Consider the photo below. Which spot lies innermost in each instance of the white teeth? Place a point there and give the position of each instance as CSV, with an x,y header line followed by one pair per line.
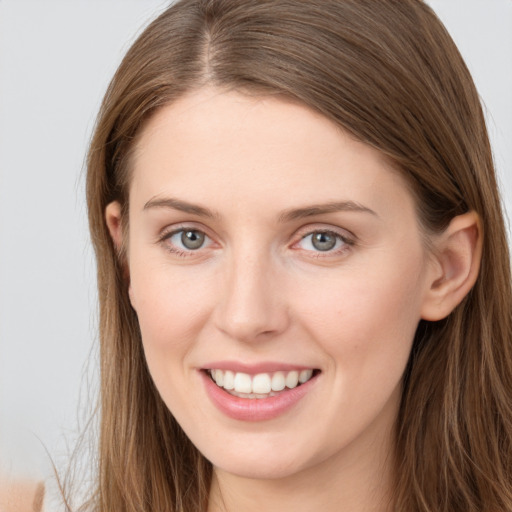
x,y
292,379
229,380
219,378
278,382
260,385
305,375
243,383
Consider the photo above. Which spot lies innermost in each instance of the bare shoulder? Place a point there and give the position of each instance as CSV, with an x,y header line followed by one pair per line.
x,y
21,495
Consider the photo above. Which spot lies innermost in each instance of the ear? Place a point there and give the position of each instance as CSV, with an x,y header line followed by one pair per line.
x,y
114,223
456,263
113,220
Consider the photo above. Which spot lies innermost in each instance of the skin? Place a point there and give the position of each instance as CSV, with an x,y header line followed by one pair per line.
x,y
258,290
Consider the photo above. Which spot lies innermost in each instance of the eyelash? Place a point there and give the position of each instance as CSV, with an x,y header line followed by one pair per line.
x,y
183,253
346,242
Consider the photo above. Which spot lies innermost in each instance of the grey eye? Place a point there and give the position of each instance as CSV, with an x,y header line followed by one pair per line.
x,y
324,241
192,239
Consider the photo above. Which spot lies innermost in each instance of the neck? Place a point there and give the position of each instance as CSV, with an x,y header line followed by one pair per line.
x,y
359,479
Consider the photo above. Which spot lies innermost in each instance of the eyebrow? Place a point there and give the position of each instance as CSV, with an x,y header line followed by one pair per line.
x,y
319,209
183,206
286,216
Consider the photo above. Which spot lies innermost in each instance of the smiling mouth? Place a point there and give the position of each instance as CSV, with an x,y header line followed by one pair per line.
x,y
261,385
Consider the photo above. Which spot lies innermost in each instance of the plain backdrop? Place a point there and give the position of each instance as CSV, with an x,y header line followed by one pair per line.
x,y
56,58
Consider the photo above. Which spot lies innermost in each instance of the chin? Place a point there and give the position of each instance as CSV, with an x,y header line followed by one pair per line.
x,y
259,470
262,463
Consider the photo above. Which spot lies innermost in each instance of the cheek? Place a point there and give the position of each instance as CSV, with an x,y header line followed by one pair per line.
x,y
169,313
366,316
170,304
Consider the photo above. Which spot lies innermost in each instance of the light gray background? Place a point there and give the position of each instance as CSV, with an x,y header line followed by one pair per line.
x,y
56,58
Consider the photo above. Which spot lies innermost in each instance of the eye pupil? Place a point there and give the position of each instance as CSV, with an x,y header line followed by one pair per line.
x,y
192,239
323,241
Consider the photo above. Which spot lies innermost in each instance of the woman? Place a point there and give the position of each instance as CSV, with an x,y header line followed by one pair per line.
x,y
304,282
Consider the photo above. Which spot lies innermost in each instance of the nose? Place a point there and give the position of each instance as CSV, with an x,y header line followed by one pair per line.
x,y
252,302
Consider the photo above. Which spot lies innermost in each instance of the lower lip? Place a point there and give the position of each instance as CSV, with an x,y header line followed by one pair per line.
x,y
255,409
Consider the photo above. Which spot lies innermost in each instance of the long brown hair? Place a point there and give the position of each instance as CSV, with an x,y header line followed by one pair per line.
x,y
387,72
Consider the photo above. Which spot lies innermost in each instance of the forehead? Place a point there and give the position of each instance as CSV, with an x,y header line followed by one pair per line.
x,y
229,147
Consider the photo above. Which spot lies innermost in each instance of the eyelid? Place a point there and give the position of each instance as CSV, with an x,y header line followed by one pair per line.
x,y
172,229
169,231
347,238
345,234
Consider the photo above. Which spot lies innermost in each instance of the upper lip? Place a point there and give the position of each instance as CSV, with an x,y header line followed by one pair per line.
x,y
255,368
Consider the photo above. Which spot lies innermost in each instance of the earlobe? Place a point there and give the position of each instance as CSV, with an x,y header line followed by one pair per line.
x,y
114,225
458,252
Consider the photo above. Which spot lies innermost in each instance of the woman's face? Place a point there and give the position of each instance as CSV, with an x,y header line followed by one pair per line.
x,y
267,247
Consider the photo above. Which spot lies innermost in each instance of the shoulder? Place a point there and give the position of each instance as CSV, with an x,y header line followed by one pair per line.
x,y
21,495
